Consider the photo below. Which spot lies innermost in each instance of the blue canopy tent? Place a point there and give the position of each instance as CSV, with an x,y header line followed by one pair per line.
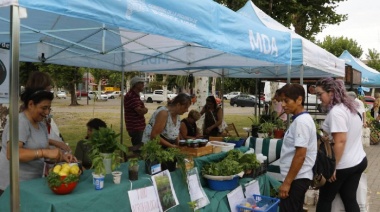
x,y
131,35
370,76
308,59
144,35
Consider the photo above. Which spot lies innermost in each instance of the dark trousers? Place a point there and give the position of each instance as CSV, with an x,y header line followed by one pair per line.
x,y
294,202
1,192
136,137
346,184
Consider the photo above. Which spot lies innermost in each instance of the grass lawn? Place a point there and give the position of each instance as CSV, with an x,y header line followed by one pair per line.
x,y
72,121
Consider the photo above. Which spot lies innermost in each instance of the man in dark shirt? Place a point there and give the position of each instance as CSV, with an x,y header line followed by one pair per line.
x,y
134,110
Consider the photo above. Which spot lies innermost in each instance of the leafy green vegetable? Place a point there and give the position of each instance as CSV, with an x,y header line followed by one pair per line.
x,y
249,161
232,139
234,154
233,163
54,180
226,167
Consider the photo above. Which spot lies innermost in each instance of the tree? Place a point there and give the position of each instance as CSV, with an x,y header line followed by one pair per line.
x,y
307,17
373,58
336,46
64,76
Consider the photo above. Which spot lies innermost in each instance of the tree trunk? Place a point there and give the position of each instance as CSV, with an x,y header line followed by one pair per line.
x,y
73,95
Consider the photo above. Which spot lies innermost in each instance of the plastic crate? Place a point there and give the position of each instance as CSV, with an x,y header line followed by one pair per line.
x,y
262,169
261,201
223,185
237,143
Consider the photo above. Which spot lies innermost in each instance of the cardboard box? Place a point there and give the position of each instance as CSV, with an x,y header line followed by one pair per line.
x,y
196,152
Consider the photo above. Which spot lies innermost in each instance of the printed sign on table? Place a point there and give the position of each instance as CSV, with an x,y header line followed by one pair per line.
x,y
144,199
162,182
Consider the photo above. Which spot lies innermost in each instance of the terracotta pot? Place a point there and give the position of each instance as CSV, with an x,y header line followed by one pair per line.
x,y
279,133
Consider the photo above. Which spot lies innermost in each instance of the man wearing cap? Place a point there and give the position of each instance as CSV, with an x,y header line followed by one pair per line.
x,y
134,111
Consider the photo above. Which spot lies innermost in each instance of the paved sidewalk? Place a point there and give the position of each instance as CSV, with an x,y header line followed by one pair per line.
x,y
373,178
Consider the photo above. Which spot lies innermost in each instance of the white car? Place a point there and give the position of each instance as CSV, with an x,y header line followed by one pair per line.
x,y
231,95
97,95
113,94
61,94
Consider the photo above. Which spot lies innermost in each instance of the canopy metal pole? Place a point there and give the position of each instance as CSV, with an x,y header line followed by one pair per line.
x,y
122,101
257,81
222,86
13,108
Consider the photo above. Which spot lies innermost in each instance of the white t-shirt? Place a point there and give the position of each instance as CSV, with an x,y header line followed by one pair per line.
x,y
340,119
361,108
301,133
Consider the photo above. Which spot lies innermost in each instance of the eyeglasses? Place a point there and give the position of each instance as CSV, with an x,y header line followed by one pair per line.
x,y
319,94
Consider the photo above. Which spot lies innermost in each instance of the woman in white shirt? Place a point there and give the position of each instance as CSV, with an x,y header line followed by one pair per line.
x,y
343,124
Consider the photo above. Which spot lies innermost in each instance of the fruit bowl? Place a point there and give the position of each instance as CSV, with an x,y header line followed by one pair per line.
x,y
64,188
63,178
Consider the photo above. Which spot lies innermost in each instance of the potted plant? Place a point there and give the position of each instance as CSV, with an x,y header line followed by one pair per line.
x,y
250,165
103,155
151,153
171,157
280,127
267,128
133,169
255,125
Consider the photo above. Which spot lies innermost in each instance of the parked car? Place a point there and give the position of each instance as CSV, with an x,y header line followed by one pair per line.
x,y
61,94
231,95
157,96
369,101
97,95
113,94
81,94
243,100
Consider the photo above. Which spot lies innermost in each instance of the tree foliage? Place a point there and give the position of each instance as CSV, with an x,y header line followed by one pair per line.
x,y
336,46
373,58
307,17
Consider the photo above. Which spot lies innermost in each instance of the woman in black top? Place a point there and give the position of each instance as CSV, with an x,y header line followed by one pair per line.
x,y
213,117
188,129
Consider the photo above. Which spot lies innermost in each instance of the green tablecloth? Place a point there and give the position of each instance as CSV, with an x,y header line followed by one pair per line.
x,y
35,195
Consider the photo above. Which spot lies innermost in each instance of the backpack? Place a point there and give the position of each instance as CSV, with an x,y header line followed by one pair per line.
x,y
324,166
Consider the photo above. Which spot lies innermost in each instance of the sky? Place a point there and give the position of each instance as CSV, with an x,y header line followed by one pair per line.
x,y
362,25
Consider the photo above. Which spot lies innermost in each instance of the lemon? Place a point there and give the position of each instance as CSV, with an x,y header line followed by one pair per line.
x,y
62,173
65,170
74,170
57,169
65,165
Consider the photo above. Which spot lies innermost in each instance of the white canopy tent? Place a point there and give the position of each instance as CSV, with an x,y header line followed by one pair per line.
x,y
308,59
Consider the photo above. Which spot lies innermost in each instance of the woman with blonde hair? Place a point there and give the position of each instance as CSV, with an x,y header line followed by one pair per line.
x,y
376,105
189,129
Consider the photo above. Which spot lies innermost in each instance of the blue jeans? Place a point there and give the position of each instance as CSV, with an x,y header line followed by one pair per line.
x,y
346,184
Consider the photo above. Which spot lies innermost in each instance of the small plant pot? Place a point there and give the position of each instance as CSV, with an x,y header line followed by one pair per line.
x,y
152,167
202,143
182,143
133,172
255,130
279,133
169,165
194,144
188,143
107,161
